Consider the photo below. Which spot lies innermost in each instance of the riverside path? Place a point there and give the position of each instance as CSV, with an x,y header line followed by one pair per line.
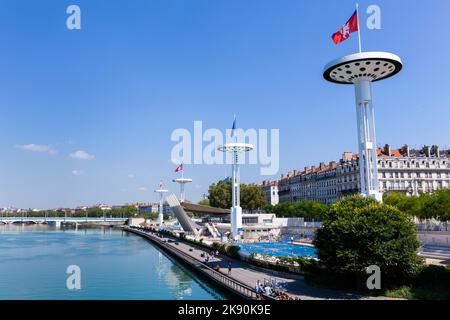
x,y
247,274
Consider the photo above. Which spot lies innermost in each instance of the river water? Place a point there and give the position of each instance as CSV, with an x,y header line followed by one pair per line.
x,y
113,264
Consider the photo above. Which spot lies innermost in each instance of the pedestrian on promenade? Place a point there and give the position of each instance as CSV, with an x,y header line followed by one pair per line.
x,y
229,268
217,253
268,290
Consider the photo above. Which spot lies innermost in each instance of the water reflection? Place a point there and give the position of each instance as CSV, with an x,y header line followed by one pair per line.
x,y
114,265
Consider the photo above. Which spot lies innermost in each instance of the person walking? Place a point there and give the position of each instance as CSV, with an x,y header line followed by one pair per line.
x,y
229,268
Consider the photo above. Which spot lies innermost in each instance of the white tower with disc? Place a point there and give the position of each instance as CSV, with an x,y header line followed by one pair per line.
x,y
360,70
161,191
236,211
182,182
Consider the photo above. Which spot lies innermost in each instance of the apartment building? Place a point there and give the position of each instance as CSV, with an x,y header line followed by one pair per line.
x,y
411,171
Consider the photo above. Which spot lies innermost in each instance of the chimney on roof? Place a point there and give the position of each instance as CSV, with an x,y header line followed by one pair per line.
x,y
306,169
333,164
405,151
435,151
322,165
295,173
427,151
387,150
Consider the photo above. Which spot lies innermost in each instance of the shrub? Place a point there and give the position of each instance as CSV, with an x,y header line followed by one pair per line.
x,y
433,277
233,251
358,232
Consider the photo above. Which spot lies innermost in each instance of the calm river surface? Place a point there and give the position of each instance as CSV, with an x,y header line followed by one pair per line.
x,y
113,264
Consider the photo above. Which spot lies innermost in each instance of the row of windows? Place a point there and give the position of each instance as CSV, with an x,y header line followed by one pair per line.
x,y
324,192
427,175
414,164
419,184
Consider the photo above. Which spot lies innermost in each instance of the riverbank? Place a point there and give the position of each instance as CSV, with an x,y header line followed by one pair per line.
x,y
192,257
243,273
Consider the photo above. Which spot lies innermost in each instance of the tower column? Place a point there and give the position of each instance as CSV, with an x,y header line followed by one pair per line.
x,y
236,210
161,192
361,70
368,162
161,210
182,192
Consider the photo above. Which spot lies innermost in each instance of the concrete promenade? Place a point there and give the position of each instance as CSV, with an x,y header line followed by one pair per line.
x,y
248,275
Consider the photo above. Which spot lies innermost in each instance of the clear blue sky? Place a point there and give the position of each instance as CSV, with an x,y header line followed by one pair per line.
x,y
140,69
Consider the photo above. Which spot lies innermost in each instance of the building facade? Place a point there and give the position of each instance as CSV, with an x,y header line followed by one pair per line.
x,y
151,207
403,170
270,189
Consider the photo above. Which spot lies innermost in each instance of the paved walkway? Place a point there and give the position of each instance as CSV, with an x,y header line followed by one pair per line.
x,y
249,274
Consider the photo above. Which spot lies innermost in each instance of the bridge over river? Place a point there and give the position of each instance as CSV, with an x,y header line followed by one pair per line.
x,y
59,220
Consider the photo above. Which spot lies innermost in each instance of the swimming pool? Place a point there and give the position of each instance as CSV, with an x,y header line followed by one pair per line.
x,y
279,249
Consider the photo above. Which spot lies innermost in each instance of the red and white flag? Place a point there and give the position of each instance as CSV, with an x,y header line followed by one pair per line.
x,y
179,168
351,26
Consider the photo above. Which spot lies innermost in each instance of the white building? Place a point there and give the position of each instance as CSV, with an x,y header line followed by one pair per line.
x,y
399,170
270,188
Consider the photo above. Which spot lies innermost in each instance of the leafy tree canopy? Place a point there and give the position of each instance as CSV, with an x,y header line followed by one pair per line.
x,y
359,232
252,196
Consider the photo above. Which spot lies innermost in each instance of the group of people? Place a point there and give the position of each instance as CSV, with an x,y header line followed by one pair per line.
x,y
270,291
214,254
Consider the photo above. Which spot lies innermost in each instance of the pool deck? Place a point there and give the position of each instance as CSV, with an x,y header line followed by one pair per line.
x,y
248,275
299,243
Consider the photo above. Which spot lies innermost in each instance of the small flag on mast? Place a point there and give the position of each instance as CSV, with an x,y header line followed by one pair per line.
x,y
351,26
233,127
179,168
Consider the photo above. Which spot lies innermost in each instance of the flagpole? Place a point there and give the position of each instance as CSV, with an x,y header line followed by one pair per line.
x,y
359,28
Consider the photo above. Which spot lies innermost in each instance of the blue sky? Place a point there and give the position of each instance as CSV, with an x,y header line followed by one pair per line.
x,y
137,70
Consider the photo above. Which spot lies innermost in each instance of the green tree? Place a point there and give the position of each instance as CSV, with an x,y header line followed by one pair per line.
x,y
438,205
301,209
151,216
410,205
359,232
220,195
95,212
252,196
204,202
